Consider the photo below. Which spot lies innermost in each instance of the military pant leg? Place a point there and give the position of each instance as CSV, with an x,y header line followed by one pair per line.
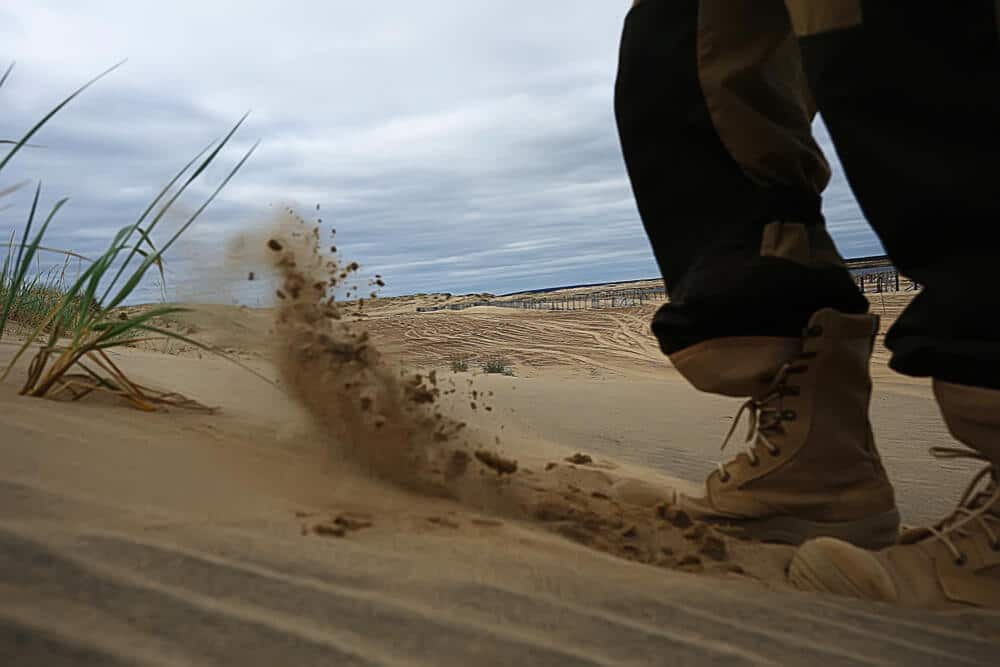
x,y
714,117
911,94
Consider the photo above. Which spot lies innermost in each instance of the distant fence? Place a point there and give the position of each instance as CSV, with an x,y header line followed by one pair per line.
x,y
872,275
618,298
884,281
454,306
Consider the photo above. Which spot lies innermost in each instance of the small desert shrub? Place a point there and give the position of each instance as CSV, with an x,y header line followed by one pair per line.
x,y
497,366
460,365
72,325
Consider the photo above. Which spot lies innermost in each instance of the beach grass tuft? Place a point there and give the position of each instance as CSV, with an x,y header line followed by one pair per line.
x,y
70,325
497,366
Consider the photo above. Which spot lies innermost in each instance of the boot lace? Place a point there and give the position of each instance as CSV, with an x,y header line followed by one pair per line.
x,y
976,508
765,416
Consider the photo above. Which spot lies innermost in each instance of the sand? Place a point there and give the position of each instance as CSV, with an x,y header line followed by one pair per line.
x,y
537,535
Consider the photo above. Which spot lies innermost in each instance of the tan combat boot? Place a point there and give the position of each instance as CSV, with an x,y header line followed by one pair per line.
x,y
810,468
955,562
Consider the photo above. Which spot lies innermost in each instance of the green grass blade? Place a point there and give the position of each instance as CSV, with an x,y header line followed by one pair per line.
x,y
141,271
114,329
149,209
218,149
10,68
47,117
137,276
84,310
6,263
58,251
197,172
24,263
211,198
87,312
20,266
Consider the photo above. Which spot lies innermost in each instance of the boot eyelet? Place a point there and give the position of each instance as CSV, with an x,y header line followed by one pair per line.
x,y
789,415
754,463
776,452
995,546
725,479
961,560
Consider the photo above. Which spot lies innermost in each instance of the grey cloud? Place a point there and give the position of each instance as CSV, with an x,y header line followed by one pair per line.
x,y
455,146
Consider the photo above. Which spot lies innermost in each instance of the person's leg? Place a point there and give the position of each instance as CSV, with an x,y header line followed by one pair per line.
x,y
912,100
715,129
715,123
911,95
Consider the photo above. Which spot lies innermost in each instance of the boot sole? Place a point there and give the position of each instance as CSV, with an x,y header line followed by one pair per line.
x,y
873,532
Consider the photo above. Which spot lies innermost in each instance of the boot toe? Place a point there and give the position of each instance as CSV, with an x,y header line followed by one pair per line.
x,y
833,566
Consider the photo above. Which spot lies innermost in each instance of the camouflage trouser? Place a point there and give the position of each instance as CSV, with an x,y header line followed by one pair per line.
x,y
715,101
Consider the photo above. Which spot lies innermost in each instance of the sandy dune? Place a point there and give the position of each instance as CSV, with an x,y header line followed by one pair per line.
x,y
586,343
237,538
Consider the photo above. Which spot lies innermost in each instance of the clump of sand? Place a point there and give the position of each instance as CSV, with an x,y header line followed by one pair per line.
x,y
380,418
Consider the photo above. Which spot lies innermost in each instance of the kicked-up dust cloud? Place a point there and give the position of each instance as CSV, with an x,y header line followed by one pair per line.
x,y
380,418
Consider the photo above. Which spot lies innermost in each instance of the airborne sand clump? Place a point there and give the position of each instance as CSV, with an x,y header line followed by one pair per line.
x,y
379,418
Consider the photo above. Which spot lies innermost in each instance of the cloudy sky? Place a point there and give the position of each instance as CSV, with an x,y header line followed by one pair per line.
x,y
456,146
